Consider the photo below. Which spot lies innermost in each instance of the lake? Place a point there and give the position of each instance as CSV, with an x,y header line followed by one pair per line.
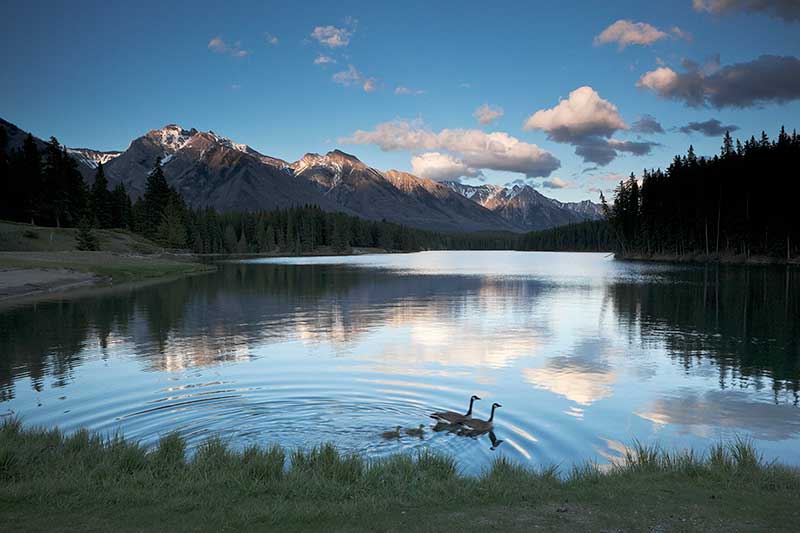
x,y
584,353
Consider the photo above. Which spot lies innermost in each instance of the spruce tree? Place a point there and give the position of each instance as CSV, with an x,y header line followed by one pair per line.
x,y
230,241
242,247
100,200
121,208
86,237
157,194
171,230
5,178
77,195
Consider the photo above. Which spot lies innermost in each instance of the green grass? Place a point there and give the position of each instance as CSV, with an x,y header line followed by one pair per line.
x,y
124,256
83,481
117,267
17,237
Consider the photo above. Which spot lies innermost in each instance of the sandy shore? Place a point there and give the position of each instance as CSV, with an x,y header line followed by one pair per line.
x,y
18,282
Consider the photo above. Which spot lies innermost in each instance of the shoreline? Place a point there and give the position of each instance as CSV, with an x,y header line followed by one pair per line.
x,y
32,275
110,483
713,259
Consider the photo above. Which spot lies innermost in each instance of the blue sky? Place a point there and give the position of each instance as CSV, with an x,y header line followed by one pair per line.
x,y
100,74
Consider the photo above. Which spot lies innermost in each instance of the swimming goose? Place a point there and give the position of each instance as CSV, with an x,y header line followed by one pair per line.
x,y
451,417
395,434
482,425
416,432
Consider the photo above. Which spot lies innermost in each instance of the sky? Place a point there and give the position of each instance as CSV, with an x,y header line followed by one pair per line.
x,y
567,96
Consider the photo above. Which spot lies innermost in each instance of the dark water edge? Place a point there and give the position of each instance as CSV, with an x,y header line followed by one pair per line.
x,y
709,259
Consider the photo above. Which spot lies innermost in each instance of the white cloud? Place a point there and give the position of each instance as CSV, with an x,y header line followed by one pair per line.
x,y
402,90
219,46
660,79
583,114
556,183
270,39
352,77
487,114
438,166
626,32
475,148
331,36
322,59
587,121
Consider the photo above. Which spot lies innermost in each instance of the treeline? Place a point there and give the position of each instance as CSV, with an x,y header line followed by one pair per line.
x,y
588,236
741,202
44,187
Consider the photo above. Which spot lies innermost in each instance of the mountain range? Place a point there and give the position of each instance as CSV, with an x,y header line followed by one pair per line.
x,y
213,171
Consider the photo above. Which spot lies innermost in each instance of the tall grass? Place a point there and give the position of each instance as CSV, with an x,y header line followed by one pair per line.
x,y
48,467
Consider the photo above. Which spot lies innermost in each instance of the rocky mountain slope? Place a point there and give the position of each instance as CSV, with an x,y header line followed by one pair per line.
x,y
213,171
525,207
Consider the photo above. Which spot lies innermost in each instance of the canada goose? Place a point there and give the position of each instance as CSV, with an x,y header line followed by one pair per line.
x,y
416,432
482,425
451,417
395,434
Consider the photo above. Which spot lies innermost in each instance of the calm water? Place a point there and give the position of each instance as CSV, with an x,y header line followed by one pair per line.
x,y
585,354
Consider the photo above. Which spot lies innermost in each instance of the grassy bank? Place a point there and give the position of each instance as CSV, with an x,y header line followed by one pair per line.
x,y
83,481
115,267
51,263
16,237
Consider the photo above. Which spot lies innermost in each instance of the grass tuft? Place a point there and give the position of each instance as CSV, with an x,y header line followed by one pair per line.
x,y
170,453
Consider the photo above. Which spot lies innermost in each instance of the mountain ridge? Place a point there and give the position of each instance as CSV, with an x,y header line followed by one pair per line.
x,y
210,170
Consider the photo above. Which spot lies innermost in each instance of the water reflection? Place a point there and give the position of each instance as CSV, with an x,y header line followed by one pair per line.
x,y
581,350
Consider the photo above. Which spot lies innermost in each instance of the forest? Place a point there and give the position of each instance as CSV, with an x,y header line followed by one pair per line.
x,y
738,203
44,187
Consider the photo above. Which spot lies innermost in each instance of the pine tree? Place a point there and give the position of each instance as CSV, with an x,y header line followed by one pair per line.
x,y
230,239
156,196
5,178
241,247
86,237
101,200
727,145
28,183
75,187
271,242
171,230
121,208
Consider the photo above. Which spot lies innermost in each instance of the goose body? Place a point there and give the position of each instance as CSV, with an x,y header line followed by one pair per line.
x,y
416,432
477,424
394,434
451,417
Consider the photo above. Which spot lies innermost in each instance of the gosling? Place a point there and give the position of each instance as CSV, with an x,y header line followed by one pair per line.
x,y
416,432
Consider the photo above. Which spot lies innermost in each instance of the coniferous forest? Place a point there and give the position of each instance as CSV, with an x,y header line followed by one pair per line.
x,y
44,187
739,203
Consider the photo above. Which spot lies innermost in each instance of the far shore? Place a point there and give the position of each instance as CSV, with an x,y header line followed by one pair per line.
x,y
721,259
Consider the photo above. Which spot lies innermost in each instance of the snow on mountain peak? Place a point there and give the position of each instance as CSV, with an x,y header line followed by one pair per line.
x,y
92,158
172,137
